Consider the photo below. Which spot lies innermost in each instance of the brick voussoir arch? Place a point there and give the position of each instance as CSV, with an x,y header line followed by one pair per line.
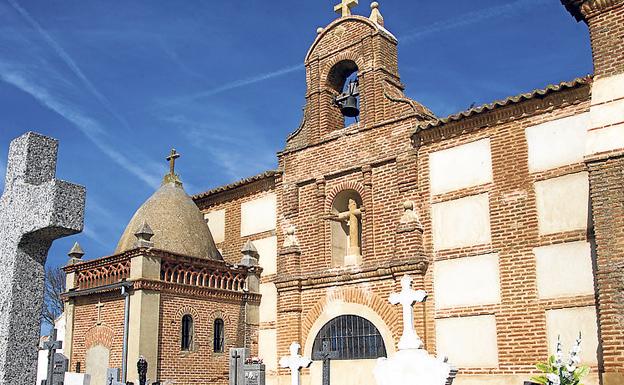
x,y
343,56
187,310
99,335
359,297
349,185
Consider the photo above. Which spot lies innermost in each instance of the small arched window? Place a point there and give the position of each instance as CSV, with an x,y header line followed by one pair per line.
x,y
218,336
187,333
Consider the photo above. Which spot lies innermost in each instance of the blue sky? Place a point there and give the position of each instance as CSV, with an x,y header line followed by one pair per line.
x,y
120,83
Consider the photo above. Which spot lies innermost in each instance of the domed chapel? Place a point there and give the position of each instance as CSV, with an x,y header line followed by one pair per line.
x,y
479,208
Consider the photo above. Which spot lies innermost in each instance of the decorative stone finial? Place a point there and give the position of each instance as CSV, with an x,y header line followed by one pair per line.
x,y
344,8
375,14
250,254
409,215
291,239
76,251
144,236
319,30
172,177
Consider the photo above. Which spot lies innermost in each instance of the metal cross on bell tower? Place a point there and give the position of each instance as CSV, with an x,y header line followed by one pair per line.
x,y
344,8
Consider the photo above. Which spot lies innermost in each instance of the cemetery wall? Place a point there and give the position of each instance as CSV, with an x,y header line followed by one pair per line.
x,y
524,274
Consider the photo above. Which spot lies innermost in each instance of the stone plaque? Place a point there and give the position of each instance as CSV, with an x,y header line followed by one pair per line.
x,y
254,374
238,356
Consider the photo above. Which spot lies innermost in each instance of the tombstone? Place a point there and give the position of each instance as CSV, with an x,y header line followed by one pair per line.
x,y
35,209
77,379
112,376
142,370
51,346
61,364
255,373
238,357
326,355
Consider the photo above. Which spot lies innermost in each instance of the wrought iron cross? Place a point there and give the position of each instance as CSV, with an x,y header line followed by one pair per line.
x,y
51,346
344,8
326,355
236,356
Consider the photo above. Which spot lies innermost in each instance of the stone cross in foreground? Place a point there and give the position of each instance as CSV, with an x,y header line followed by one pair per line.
x,y
295,362
407,297
35,209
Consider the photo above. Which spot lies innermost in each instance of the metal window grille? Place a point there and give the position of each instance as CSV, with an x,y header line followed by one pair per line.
x,y
217,343
187,332
350,337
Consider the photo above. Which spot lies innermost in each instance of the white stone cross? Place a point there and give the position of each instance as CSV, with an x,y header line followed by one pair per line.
x,y
407,297
35,209
295,362
99,306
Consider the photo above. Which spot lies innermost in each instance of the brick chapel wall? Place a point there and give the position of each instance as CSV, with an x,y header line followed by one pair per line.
x,y
87,333
607,39
201,365
509,199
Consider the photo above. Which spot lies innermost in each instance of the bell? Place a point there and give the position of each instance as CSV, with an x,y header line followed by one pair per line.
x,y
349,107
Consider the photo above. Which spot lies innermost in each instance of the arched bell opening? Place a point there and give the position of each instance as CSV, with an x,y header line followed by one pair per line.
x,y
343,85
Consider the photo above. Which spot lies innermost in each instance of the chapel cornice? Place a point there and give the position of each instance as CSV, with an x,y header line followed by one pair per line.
x,y
198,291
586,9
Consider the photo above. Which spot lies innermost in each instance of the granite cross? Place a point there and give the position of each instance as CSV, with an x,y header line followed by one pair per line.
x,y
326,355
51,346
35,209
407,297
172,158
344,8
295,362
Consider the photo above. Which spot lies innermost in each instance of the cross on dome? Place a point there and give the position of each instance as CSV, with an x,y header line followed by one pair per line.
x,y
344,8
172,177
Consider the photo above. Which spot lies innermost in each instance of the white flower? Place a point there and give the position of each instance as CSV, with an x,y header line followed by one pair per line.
x,y
553,379
576,349
571,368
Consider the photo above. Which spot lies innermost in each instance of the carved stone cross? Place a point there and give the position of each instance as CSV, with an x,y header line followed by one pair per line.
x,y
295,362
99,306
35,209
351,217
172,158
344,8
51,346
407,297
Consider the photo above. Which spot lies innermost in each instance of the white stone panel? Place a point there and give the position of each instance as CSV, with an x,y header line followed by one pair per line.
x,y
468,342
605,139
258,215
557,143
216,224
467,281
268,303
562,203
461,222
267,251
607,89
564,270
607,113
96,360
567,323
460,167
267,348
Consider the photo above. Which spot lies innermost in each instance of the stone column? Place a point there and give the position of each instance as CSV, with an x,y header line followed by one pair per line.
x,y
35,209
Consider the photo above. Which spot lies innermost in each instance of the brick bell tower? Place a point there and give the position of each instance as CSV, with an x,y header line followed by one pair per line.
x,y
604,156
349,45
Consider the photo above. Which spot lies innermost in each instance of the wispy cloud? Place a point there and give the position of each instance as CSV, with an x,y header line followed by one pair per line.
x,y
91,128
238,84
469,18
67,59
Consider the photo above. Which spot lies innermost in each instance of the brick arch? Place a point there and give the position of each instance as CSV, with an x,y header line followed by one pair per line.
x,y
348,185
187,310
354,19
99,335
353,295
341,57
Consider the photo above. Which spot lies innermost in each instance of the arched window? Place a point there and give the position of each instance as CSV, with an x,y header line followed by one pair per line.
x,y
218,336
349,337
346,229
187,333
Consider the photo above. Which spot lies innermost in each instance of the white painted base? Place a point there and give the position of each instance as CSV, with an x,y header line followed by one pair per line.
x,y
414,366
77,379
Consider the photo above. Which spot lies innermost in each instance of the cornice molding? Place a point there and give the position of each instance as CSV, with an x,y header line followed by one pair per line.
x,y
586,9
197,291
